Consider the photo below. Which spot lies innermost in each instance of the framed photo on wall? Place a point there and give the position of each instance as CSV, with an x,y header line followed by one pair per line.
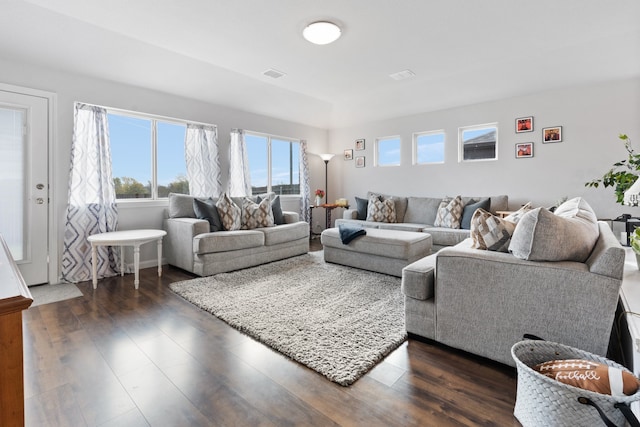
x,y
553,134
359,144
524,124
348,154
360,161
524,150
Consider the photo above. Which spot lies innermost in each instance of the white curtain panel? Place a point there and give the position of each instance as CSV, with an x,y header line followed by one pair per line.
x,y
239,177
203,160
91,207
305,192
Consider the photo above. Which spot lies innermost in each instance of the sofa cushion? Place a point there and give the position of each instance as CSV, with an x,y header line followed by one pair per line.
x,y
490,232
285,233
469,210
225,241
230,213
422,210
569,234
181,206
446,236
381,210
361,208
449,213
206,209
400,204
256,215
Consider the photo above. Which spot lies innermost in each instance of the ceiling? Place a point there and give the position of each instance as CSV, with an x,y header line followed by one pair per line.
x,y
462,51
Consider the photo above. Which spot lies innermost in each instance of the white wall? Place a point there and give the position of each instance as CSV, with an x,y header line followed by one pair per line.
x,y
591,118
70,88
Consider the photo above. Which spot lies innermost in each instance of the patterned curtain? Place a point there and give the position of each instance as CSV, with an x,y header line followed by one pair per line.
x,y
239,178
203,161
91,206
305,192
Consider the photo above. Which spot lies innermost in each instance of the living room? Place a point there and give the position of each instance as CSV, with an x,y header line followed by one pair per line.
x,y
591,105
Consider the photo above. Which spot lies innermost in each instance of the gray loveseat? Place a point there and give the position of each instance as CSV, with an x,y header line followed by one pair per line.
x,y
191,245
419,214
483,302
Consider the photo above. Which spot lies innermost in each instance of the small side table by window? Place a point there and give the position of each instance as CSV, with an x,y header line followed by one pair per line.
x,y
133,238
327,208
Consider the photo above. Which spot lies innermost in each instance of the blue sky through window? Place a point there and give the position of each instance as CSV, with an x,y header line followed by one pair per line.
x,y
389,151
430,148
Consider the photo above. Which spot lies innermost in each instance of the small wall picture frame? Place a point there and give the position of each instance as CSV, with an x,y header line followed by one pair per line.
x,y
359,144
360,161
552,134
348,154
524,124
524,150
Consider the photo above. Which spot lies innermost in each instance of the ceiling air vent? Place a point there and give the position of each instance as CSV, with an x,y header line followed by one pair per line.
x,y
401,75
274,74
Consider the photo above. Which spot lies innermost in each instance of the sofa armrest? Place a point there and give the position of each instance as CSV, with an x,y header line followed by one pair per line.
x,y
178,244
290,217
350,214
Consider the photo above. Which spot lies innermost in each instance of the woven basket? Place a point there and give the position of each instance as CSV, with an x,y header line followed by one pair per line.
x,y
543,401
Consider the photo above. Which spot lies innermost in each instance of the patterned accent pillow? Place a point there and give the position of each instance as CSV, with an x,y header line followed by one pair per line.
x,y
490,232
256,215
515,216
229,213
381,210
450,213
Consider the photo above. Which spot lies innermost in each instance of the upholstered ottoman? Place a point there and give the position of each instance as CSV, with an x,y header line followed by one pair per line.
x,y
384,251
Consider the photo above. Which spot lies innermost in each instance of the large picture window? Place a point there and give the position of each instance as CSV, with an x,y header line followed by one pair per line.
x,y
147,156
478,142
274,163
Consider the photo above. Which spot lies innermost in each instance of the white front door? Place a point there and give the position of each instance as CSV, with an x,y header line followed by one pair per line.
x,y
24,182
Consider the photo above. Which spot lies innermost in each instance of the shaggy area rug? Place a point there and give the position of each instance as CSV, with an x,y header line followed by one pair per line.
x,y
338,321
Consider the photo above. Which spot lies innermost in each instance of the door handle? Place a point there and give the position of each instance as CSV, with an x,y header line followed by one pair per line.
x,y
40,186
39,200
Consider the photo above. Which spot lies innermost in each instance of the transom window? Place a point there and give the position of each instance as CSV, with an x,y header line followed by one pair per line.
x,y
478,142
428,147
387,151
147,156
274,163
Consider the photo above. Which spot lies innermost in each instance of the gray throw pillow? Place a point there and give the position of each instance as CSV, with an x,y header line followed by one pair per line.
x,y
470,208
181,206
206,209
361,207
569,234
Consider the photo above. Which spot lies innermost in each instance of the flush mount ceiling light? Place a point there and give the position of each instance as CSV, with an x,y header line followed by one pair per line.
x,y
322,32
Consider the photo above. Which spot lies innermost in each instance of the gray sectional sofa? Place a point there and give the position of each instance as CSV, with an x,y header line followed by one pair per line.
x,y
419,214
561,287
191,245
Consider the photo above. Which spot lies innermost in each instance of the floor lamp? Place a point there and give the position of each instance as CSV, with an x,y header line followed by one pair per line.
x,y
326,158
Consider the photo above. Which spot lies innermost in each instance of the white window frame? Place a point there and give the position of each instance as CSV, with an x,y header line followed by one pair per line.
x,y
376,154
154,118
463,129
269,137
417,135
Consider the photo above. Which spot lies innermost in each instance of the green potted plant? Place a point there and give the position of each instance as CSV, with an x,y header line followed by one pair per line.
x,y
623,173
634,241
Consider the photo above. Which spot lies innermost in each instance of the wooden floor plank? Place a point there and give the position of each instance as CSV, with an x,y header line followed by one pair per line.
x,y
126,357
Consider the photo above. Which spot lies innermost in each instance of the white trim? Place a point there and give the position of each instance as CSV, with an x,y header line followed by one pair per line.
x,y
53,268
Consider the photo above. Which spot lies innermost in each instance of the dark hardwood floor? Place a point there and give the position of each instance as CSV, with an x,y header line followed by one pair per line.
x,y
121,357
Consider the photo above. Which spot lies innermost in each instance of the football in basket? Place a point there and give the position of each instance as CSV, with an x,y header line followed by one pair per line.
x,y
591,376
